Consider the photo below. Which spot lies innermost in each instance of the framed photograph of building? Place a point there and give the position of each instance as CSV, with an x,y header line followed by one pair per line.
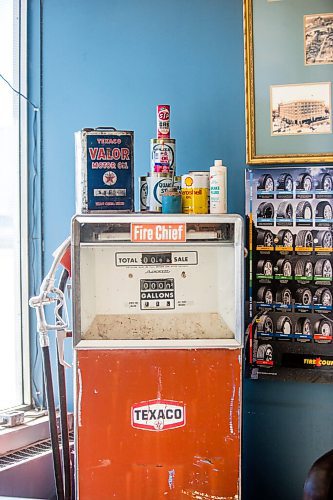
x,y
288,77
301,109
318,39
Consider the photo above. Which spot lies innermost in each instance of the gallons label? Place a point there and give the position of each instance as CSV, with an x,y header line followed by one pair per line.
x,y
158,415
157,294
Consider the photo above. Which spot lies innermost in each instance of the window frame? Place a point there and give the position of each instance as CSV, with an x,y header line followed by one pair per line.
x,y
20,84
24,205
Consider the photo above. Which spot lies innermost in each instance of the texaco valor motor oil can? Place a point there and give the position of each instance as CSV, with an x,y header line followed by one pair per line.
x,y
104,170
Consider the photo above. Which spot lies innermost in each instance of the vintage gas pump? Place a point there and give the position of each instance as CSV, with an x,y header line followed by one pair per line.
x,y
158,323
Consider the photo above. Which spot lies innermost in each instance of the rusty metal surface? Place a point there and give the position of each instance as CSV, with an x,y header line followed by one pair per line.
x,y
197,459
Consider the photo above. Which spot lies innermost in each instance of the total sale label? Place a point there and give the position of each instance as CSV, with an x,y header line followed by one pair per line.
x,y
128,259
158,415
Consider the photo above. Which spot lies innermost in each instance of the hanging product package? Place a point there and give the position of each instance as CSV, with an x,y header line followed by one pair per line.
x,y
104,161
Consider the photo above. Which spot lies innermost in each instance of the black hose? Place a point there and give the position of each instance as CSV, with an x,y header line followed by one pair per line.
x,y
53,423
66,461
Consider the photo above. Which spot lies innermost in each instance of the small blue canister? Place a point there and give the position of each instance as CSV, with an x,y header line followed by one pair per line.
x,y
172,201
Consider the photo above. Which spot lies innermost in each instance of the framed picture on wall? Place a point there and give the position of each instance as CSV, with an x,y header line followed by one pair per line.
x,y
289,74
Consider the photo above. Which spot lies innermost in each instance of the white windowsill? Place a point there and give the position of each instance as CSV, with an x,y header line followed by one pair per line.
x,y
35,428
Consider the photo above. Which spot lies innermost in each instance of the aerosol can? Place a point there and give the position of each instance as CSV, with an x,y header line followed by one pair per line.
x,y
218,188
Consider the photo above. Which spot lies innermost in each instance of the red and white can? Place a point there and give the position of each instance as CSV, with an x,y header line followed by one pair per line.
x,y
162,156
163,121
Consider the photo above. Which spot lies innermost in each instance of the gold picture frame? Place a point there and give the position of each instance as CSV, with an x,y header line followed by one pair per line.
x,y
298,141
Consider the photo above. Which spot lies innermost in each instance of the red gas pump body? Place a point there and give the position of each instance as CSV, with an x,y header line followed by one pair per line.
x,y
158,324
199,460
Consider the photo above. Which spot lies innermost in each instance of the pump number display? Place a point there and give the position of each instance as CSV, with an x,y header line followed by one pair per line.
x,y
154,258
157,294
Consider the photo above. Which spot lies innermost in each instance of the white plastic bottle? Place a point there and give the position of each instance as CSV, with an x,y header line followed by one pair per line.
x,y
218,188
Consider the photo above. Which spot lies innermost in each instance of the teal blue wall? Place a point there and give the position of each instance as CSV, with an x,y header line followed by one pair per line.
x,y
110,63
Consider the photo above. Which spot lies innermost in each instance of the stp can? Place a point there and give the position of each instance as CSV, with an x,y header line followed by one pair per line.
x,y
162,156
157,185
163,121
195,189
143,192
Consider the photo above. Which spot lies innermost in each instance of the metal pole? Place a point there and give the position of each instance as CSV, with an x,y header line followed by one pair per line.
x,y
66,462
53,422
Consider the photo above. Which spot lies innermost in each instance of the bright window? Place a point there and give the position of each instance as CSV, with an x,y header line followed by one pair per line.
x,y
13,209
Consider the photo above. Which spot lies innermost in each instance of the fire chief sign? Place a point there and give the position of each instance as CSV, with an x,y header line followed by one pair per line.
x,y
158,415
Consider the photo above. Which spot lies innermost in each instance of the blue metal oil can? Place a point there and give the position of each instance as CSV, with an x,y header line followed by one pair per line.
x,y
104,170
